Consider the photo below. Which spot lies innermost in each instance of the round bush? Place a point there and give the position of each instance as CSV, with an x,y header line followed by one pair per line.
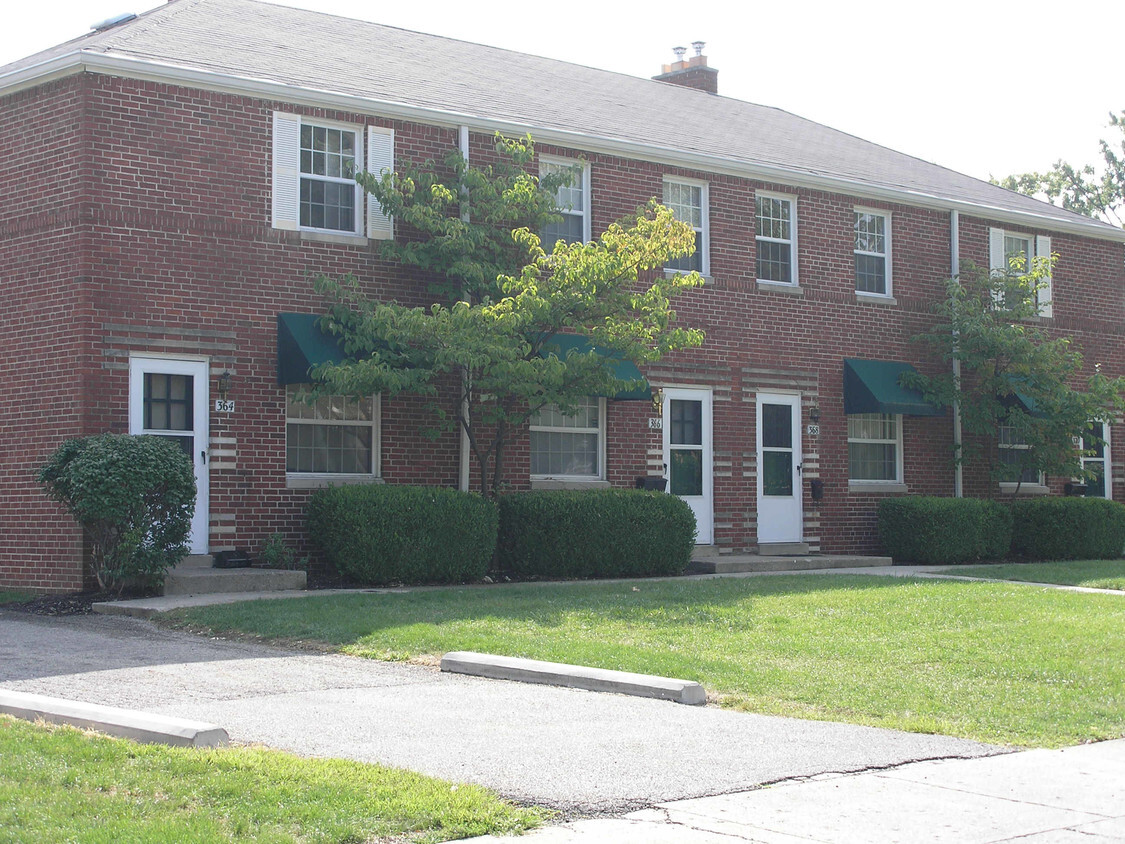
x,y
133,496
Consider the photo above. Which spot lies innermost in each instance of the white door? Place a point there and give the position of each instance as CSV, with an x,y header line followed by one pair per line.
x,y
687,454
1096,441
780,514
168,398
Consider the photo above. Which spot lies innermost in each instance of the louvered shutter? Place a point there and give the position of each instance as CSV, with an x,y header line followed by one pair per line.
x,y
380,159
997,262
1046,292
286,169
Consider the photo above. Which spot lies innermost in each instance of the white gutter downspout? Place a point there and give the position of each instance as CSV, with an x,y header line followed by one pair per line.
x,y
463,484
955,268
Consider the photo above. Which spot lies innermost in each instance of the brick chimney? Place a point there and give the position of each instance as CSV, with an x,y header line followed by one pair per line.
x,y
693,73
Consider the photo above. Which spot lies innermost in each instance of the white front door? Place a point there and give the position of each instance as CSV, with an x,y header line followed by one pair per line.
x,y
780,514
168,398
687,454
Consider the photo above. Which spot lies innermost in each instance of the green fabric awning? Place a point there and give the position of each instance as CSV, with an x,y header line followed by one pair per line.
x,y
1030,406
872,386
301,345
560,344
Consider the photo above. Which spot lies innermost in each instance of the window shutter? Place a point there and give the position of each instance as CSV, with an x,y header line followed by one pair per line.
x,y
380,159
996,262
1046,292
286,169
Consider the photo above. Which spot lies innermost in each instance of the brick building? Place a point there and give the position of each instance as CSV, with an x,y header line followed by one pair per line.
x,y
170,181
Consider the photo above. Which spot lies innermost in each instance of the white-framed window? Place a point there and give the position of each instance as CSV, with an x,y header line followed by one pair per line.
x,y
1096,441
573,202
314,167
1013,451
875,447
332,436
569,446
776,227
688,200
872,252
1004,245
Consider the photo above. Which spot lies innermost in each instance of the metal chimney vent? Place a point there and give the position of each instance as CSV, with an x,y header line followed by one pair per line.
x,y
110,23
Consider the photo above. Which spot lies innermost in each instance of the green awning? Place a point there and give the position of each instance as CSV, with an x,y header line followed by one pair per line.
x,y
872,386
301,345
1030,406
560,344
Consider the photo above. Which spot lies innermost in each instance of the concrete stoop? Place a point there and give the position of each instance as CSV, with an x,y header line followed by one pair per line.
x,y
710,563
194,576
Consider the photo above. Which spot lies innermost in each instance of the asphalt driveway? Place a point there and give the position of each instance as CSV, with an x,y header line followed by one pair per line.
x,y
578,751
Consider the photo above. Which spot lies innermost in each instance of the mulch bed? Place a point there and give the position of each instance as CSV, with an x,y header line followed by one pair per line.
x,y
78,604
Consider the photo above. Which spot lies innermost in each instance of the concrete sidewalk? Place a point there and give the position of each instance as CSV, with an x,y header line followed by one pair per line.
x,y
1059,796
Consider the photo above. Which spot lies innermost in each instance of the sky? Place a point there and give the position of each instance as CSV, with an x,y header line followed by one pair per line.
x,y
988,87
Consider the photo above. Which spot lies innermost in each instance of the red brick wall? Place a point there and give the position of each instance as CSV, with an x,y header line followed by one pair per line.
x,y
165,245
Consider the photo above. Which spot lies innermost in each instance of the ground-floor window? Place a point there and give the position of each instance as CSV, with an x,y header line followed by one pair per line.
x,y
331,435
875,447
1014,453
569,445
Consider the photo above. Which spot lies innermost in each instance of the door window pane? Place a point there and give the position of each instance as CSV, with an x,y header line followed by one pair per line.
x,y
168,402
687,422
687,472
777,473
777,426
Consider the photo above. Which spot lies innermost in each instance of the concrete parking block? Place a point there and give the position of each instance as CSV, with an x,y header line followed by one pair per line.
x,y
123,723
573,676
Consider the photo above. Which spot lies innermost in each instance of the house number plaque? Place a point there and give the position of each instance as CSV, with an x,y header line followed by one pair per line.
x,y
656,423
814,430
224,405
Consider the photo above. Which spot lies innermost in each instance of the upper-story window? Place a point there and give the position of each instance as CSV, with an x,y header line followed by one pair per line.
x,y
872,252
688,200
776,238
1004,246
573,202
569,445
329,199
314,167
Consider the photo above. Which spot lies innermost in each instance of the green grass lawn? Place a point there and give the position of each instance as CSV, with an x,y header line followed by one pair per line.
x,y
60,784
995,662
1097,574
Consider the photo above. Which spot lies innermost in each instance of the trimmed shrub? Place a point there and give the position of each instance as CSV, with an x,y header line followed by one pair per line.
x,y
1053,528
376,534
595,533
133,496
919,529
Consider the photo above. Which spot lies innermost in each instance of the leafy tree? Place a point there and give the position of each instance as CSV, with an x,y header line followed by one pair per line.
x,y
1013,374
1083,189
486,361
133,496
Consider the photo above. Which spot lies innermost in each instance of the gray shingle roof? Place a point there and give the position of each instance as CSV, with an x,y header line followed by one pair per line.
x,y
470,82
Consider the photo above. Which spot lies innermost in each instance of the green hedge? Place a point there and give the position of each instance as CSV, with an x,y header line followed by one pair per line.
x,y
1068,529
377,534
595,533
934,531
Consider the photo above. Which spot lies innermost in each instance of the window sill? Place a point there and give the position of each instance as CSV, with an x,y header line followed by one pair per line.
x,y
781,287
1025,489
875,299
317,480
707,279
876,486
568,483
327,237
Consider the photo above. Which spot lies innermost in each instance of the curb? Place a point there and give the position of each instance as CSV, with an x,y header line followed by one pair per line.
x,y
574,676
123,723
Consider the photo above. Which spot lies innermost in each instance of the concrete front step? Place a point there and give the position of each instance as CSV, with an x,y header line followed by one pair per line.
x,y
196,561
193,580
737,563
